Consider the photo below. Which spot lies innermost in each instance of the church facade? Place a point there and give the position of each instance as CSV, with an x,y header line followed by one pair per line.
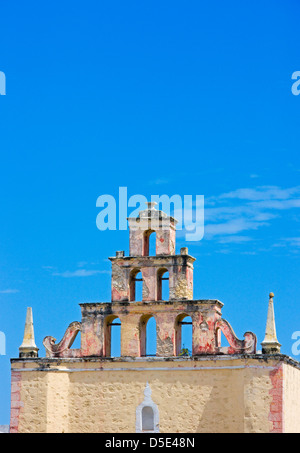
x,y
212,389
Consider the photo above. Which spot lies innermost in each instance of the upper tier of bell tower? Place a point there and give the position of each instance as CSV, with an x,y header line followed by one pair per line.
x,y
152,221
164,264
167,295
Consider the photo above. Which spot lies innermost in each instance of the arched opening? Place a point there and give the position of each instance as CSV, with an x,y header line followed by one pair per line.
x,y
136,285
112,336
77,342
149,243
147,419
221,340
163,284
152,244
147,336
183,335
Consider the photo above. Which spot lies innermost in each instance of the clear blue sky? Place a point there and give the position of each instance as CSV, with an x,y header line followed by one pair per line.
x,y
161,97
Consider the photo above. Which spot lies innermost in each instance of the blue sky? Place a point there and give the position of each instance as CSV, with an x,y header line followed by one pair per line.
x,y
161,98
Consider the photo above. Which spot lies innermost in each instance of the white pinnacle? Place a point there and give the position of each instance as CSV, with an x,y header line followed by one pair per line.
x,y
28,347
270,345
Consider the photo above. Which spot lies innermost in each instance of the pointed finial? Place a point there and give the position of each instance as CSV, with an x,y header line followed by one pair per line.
x,y
270,345
147,391
28,347
151,204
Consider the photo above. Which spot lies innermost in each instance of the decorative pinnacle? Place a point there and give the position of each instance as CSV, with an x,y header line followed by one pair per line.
x,y
147,391
28,347
270,345
151,204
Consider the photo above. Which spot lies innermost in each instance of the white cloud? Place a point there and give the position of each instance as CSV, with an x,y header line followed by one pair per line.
x,y
263,193
234,239
9,291
277,204
79,273
247,209
232,227
295,242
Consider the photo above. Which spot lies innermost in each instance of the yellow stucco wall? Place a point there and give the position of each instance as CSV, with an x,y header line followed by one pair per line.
x,y
291,399
221,395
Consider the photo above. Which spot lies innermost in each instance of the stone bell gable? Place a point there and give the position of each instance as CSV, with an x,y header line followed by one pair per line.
x,y
97,318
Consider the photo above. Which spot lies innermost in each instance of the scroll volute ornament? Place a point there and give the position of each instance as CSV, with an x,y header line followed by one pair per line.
x,y
246,346
62,349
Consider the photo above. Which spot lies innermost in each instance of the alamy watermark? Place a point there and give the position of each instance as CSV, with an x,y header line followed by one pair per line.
x,y
2,343
2,84
296,345
296,85
188,210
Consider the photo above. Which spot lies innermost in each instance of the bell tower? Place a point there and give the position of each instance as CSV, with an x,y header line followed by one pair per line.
x,y
153,269
132,310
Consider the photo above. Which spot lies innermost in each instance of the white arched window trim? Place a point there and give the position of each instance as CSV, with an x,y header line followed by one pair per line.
x,y
147,403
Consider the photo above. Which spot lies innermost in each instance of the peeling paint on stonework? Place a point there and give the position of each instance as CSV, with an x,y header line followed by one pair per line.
x,y
165,347
16,404
276,408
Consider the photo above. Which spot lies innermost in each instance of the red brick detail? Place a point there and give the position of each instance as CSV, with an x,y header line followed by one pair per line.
x,y
16,403
276,407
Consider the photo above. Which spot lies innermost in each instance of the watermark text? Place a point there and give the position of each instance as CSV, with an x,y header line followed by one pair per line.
x,y
296,345
188,210
296,85
2,343
2,84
